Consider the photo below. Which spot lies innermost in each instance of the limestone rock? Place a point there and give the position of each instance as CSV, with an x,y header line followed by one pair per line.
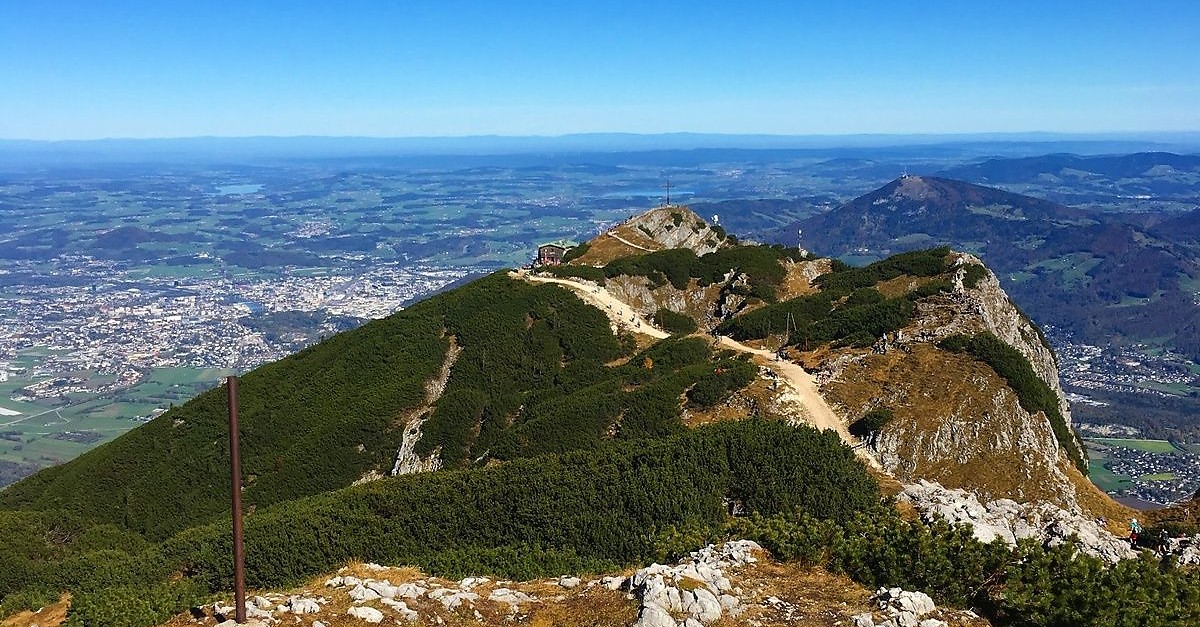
x,y
1008,521
695,586
654,616
366,614
303,605
362,593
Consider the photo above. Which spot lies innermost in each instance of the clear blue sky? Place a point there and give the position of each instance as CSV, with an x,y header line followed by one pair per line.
x,y
171,68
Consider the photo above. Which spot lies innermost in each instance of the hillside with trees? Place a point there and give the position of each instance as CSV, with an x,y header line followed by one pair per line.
x,y
563,447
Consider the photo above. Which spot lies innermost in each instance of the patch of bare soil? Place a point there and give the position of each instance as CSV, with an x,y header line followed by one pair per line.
x,y
52,615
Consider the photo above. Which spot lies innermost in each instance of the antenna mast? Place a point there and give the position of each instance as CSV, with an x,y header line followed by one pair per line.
x,y
668,186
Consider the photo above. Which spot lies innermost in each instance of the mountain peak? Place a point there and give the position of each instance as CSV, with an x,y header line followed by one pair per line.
x,y
915,211
914,187
668,226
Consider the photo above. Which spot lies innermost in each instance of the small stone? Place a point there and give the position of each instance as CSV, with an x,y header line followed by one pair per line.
x,y
410,591
568,582
470,582
383,588
402,608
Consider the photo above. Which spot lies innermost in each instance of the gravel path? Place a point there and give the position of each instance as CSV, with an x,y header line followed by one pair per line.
x,y
799,388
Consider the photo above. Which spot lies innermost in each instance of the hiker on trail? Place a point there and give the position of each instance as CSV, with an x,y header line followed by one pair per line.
x,y
1134,530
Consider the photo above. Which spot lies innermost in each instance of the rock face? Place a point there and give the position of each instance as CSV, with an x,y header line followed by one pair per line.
x,y
956,421
986,307
712,304
696,587
703,304
1009,521
407,460
676,227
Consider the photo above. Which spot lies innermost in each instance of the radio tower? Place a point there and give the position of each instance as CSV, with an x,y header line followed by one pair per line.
x,y
668,186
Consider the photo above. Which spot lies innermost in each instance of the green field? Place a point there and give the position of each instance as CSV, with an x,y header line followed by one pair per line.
x,y
1073,267
1148,446
1162,476
31,435
1106,479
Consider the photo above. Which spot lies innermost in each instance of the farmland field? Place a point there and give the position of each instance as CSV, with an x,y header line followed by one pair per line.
x,y
1149,446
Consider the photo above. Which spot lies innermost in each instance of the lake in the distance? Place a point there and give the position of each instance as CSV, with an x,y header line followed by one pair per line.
x,y
244,188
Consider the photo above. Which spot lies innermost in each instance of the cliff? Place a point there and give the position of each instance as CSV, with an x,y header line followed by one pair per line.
x,y
957,421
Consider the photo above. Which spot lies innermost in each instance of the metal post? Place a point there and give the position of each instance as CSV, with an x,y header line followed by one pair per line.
x,y
235,473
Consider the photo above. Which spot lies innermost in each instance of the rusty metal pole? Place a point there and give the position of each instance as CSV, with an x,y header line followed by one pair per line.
x,y
235,473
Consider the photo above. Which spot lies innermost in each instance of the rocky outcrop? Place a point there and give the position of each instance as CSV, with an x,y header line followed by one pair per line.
x,y
1008,521
697,587
956,421
407,461
901,608
701,303
986,307
676,227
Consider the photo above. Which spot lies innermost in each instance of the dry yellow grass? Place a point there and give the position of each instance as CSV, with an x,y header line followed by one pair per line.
x,y
936,392
52,615
796,282
604,249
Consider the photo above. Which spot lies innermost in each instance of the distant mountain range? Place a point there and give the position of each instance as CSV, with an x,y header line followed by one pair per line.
x,y
1025,169
550,149
1151,174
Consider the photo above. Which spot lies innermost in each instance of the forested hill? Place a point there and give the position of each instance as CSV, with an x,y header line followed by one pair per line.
x,y
566,438
530,379
494,370
1114,168
939,209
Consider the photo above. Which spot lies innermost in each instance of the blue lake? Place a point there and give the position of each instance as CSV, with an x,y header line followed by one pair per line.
x,y
244,188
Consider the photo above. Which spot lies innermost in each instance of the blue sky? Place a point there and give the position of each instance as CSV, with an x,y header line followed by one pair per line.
x,y
81,70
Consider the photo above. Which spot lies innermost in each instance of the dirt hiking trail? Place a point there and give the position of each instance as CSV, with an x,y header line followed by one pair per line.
x,y
799,388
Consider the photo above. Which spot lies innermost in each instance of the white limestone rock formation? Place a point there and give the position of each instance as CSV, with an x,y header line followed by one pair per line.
x,y
1009,521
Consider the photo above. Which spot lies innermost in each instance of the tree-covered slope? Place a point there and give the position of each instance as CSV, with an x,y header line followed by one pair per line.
x,y
530,379
583,510
303,421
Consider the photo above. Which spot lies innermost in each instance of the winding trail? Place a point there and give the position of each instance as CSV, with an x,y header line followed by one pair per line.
x,y
621,315
799,388
627,242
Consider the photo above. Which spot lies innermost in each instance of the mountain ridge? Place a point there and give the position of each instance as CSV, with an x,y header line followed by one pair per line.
x,y
1103,278
574,436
